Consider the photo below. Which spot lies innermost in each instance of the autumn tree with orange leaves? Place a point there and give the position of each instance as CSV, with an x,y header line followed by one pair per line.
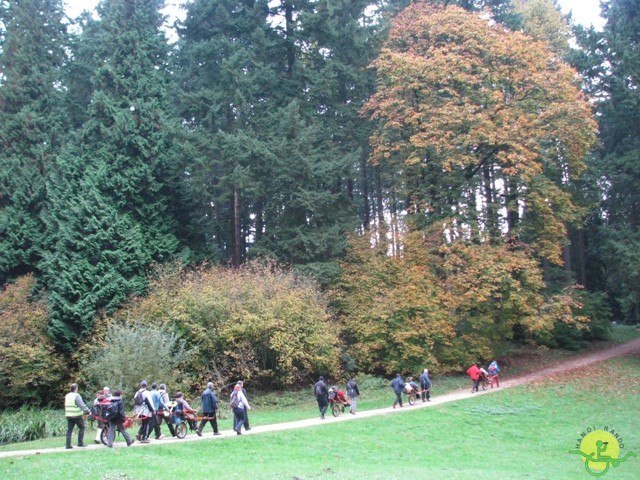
x,y
484,131
485,128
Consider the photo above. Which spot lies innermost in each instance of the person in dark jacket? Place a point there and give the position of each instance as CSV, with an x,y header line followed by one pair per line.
x,y
209,408
353,392
117,422
322,396
398,386
425,386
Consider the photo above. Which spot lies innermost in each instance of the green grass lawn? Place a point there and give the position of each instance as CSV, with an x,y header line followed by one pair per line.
x,y
520,433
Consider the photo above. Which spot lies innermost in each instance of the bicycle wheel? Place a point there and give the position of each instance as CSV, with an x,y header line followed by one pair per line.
x,y
412,398
104,435
335,409
181,430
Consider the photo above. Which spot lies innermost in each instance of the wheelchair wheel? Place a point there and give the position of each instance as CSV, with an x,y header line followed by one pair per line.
x,y
412,398
181,430
104,435
335,409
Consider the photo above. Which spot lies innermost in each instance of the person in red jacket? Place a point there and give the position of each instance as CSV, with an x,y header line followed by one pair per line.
x,y
474,374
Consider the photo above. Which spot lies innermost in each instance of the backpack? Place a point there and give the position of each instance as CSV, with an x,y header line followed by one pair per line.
x,y
234,402
351,388
138,400
110,411
319,390
96,409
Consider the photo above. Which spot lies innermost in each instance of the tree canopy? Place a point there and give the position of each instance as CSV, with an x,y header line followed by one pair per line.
x,y
494,119
434,166
609,62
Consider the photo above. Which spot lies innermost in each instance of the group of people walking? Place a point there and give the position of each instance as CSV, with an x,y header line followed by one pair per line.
x,y
151,407
324,394
479,374
401,386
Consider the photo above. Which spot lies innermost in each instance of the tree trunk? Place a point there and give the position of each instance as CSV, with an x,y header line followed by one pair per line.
x,y
259,219
364,172
581,258
513,216
290,28
382,226
236,242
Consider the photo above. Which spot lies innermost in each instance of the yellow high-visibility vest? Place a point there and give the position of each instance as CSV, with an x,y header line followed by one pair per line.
x,y
70,407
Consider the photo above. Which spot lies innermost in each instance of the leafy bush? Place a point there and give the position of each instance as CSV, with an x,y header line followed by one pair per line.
x,y
445,304
585,317
131,352
30,370
258,322
594,306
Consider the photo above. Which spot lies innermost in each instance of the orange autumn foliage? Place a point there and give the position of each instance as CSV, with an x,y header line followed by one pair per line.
x,y
441,304
489,110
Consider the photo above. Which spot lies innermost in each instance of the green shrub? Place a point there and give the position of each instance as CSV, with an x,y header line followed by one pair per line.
x,y
594,306
260,322
579,318
131,352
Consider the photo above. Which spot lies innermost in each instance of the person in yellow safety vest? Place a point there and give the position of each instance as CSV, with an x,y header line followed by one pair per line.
x,y
74,407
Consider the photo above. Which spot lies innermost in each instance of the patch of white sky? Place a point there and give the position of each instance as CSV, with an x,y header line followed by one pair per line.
x,y
585,12
173,10
76,7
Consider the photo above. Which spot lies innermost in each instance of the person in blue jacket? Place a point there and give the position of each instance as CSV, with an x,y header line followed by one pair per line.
x,y
398,386
209,408
494,374
425,386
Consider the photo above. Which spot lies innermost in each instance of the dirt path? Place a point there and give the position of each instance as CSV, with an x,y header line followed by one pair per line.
x,y
560,367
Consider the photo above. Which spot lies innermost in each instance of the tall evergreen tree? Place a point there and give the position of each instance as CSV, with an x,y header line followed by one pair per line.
x,y
227,80
33,127
271,93
323,143
610,62
116,190
95,257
